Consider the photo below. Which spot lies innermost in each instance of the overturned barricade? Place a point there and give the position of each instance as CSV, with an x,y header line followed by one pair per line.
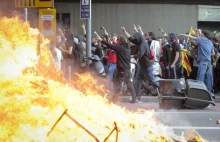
x,y
177,93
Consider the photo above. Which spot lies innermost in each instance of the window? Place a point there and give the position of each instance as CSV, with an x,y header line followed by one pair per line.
x,y
63,19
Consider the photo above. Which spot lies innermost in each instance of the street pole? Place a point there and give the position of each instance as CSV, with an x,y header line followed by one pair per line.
x,y
26,14
88,35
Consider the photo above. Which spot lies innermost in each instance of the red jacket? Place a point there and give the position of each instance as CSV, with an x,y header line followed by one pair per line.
x,y
112,57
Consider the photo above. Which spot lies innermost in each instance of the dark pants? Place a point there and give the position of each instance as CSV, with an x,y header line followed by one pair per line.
x,y
123,76
215,80
166,73
175,73
193,74
140,76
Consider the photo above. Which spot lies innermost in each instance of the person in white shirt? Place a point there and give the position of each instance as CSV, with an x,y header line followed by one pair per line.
x,y
56,55
154,44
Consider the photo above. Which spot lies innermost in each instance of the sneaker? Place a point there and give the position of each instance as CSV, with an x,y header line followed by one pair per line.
x,y
139,101
132,101
213,96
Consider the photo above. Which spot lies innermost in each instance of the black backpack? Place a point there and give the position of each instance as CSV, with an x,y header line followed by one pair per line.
x,y
77,53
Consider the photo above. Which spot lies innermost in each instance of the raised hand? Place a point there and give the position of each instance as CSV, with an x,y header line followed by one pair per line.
x,y
139,27
95,33
99,38
103,28
123,29
59,30
83,26
135,28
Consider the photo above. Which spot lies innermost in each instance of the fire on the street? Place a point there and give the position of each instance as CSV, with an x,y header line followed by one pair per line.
x,y
34,97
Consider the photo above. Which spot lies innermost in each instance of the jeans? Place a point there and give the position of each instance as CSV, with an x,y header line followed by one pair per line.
x,y
140,76
205,74
111,71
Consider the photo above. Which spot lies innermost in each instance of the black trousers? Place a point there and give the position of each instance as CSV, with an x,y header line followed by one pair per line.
x,y
216,78
174,72
123,76
193,74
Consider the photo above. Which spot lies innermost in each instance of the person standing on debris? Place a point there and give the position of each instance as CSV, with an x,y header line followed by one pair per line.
x,y
205,48
166,59
175,56
123,52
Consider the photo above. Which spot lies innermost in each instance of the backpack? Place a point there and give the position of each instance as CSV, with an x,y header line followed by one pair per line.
x,y
78,54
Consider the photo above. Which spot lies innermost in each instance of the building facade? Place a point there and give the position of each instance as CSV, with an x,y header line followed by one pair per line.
x,y
176,17
173,16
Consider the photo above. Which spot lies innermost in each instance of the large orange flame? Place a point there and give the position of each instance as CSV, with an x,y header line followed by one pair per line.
x,y
33,97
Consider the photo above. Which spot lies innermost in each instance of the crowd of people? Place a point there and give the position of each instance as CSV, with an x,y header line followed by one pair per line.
x,y
111,57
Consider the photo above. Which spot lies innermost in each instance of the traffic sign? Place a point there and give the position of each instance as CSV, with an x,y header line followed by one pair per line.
x,y
33,3
85,9
208,13
47,23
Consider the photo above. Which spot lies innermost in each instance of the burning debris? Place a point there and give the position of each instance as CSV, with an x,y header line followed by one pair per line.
x,y
33,97
81,126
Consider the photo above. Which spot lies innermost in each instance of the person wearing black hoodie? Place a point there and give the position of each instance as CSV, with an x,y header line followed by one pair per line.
x,y
123,52
145,63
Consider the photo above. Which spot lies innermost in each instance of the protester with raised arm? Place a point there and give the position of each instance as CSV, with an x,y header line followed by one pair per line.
x,y
145,70
122,66
140,29
205,48
67,63
111,62
84,29
60,32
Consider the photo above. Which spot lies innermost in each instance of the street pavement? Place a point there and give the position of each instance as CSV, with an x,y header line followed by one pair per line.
x,y
182,120
155,99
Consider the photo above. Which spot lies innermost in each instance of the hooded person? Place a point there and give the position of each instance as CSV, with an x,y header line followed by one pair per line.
x,y
142,50
123,66
175,71
145,63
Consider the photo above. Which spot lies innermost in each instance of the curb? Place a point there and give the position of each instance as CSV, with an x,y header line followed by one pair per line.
x,y
153,99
